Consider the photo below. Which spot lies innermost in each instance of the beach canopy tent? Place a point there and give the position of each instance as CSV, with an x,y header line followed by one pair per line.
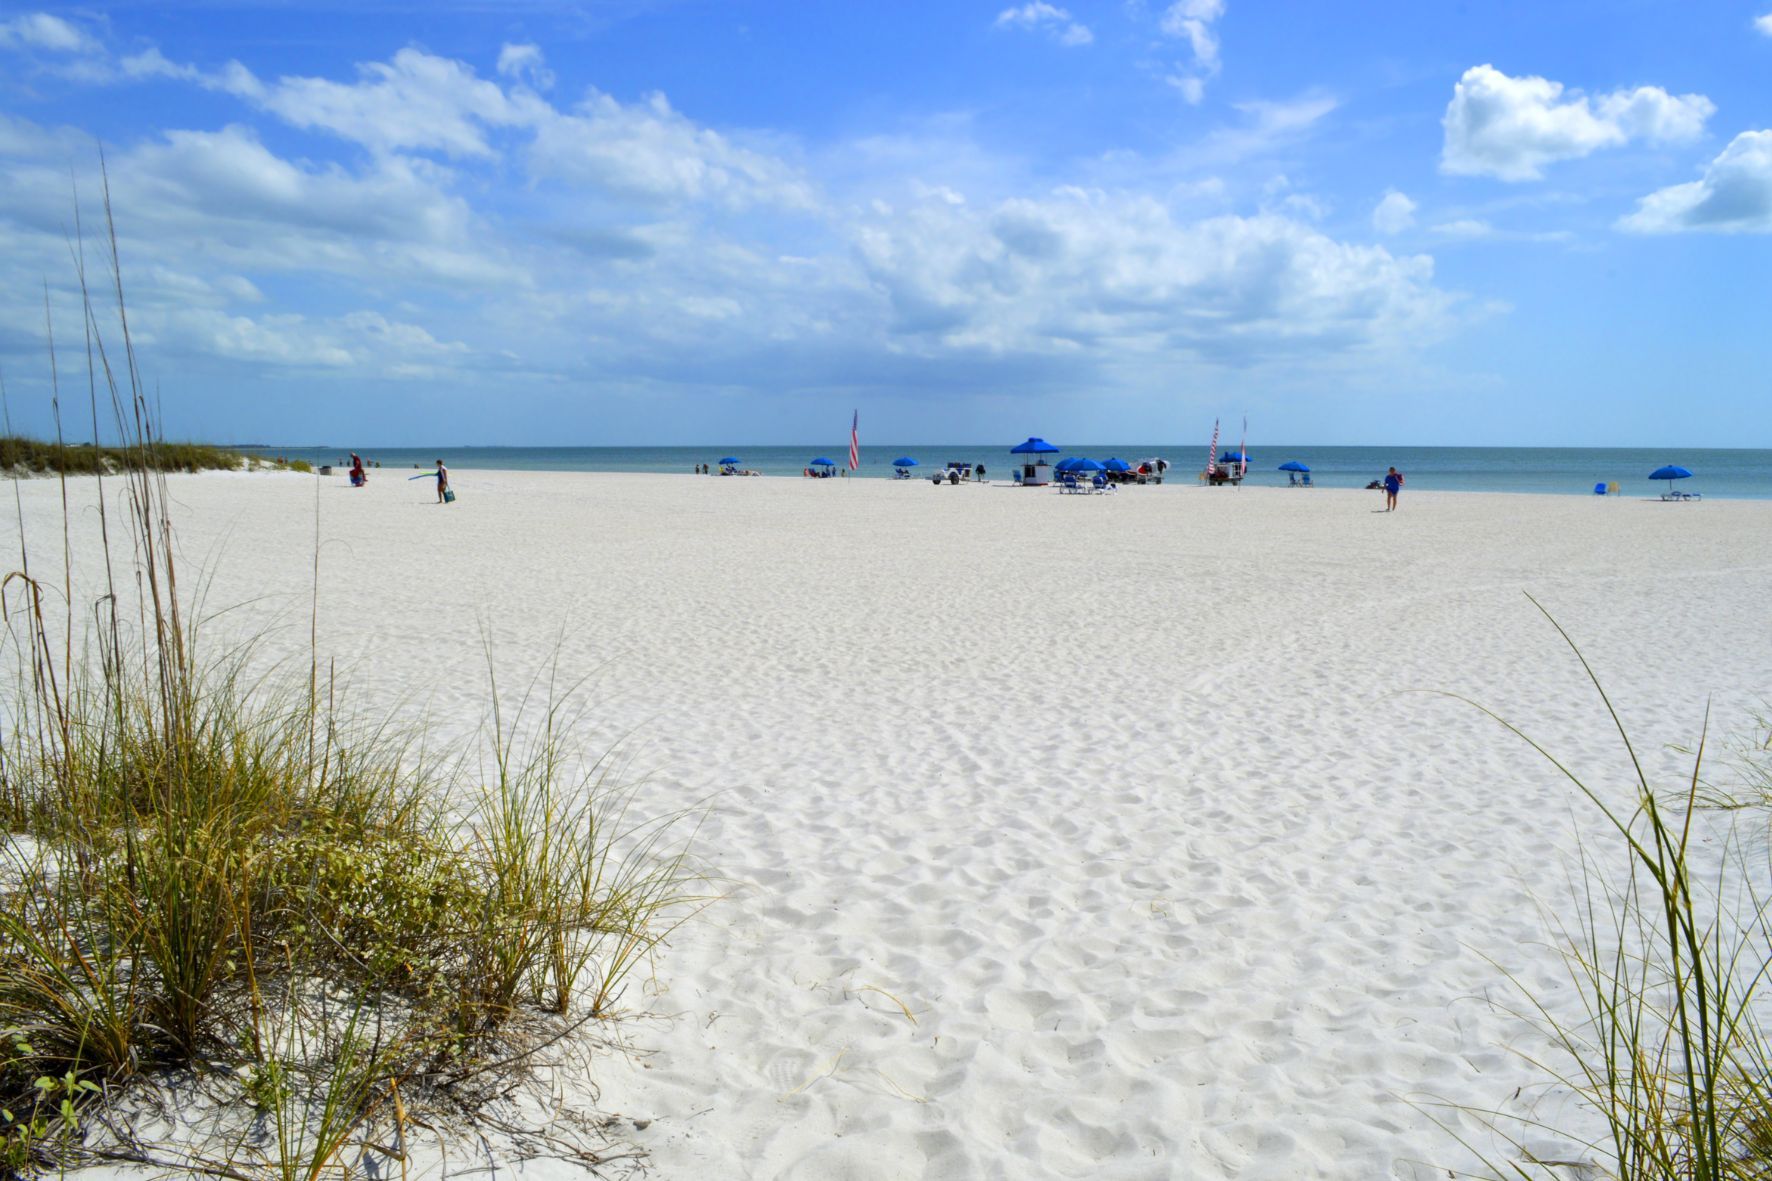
x,y
1292,465
730,461
1116,465
821,461
1034,471
904,461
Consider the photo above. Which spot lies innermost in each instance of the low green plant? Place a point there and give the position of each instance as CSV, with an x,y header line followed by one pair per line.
x,y
202,870
35,455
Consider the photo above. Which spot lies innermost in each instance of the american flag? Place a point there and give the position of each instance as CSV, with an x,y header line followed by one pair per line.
x,y
1212,450
855,442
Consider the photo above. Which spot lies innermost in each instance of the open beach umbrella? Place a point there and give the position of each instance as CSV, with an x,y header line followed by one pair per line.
x,y
729,461
1292,465
904,461
1234,457
1034,446
1116,465
1670,473
821,461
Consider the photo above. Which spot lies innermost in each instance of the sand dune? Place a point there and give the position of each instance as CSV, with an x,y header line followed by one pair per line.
x,y
1124,836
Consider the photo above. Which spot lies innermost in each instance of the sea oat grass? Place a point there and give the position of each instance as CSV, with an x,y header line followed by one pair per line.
x,y
1670,1056
80,459
206,874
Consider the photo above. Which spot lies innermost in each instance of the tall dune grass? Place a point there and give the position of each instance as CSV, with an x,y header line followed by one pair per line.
x,y
207,873
1671,1057
82,459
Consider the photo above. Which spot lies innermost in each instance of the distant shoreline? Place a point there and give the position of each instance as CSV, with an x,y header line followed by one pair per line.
x,y
1739,473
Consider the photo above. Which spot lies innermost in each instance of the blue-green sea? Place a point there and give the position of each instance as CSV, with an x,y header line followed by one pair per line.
x,y
1567,470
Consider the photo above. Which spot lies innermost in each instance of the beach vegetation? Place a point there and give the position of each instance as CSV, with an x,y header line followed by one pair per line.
x,y
219,878
24,456
1667,941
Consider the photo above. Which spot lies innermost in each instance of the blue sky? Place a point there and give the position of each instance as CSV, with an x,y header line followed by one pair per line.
x,y
629,222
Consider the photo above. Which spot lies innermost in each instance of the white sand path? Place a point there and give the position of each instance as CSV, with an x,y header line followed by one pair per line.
x,y
1126,798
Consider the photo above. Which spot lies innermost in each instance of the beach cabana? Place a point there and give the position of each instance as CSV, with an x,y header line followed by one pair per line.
x,y
1035,471
1670,473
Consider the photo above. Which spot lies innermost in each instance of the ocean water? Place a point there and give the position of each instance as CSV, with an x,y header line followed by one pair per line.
x,y
1742,474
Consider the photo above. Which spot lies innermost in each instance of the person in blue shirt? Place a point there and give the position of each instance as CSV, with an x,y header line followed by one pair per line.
x,y
1393,484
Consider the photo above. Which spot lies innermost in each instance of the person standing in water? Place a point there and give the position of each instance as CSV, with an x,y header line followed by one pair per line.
x,y
442,481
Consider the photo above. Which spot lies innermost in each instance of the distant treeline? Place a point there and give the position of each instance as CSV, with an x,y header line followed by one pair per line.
x,y
34,455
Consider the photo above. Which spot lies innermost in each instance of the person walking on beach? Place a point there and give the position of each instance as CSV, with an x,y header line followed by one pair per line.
x,y
1393,484
442,482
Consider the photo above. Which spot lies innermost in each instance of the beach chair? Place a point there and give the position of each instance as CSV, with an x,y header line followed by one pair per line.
x,y
1304,481
1068,483
1600,488
1100,483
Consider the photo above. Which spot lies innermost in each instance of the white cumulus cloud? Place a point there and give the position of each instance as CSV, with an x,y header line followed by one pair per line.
x,y
1394,213
1510,128
40,30
649,150
1734,195
1192,21
1764,24
416,101
525,63
1082,270
1037,14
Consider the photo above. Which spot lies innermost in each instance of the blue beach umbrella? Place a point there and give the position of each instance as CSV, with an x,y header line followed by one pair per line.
x,y
1034,446
1670,473
729,461
1292,465
1087,465
904,461
1234,457
821,461
1116,465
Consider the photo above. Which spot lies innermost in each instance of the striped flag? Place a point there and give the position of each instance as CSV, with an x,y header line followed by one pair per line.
x,y
1212,450
855,441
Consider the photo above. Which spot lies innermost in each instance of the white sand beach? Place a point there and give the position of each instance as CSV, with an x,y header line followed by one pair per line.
x,y
1119,836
